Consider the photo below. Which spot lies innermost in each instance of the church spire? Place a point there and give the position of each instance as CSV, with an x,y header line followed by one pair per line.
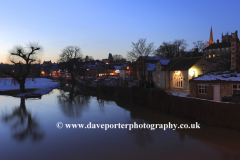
x,y
211,38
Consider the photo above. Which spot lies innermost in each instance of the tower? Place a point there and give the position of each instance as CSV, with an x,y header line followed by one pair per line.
x,y
234,51
210,39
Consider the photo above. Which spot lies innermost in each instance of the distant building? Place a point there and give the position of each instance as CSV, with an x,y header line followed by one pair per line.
x,y
220,49
210,39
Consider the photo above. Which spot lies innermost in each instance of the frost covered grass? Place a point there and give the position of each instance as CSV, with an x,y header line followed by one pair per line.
x,y
36,86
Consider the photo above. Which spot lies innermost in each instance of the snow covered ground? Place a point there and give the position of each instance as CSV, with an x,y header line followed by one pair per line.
x,y
180,93
43,85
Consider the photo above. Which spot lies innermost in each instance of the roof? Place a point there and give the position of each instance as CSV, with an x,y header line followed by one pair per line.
x,y
123,67
150,66
219,45
219,76
214,59
155,58
185,63
164,62
91,66
171,63
117,67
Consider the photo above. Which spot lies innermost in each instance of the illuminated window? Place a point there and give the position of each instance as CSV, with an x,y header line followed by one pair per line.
x,y
202,89
178,82
213,55
127,67
209,56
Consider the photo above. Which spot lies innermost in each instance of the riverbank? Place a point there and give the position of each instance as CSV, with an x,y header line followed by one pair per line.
x,y
36,86
210,112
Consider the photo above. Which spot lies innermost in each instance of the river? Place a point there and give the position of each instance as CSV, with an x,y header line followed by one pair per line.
x,y
29,131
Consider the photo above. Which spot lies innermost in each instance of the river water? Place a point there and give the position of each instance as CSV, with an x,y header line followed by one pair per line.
x,y
28,131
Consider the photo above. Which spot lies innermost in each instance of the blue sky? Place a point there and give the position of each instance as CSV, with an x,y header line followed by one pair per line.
x,y
100,27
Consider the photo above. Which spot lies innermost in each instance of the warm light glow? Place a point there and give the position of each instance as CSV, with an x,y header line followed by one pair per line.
x,y
177,73
192,73
209,56
213,55
42,72
127,67
107,63
87,69
13,71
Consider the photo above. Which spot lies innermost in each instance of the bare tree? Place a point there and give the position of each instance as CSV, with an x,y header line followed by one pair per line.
x,y
199,46
88,58
140,52
141,48
171,49
167,49
71,59
180,45
117,57
23,58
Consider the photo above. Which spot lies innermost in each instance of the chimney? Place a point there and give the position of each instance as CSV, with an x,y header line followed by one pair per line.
x,y
217,40
182,54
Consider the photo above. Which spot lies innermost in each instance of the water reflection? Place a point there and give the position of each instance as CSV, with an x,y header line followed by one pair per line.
x,y
72,103
225,141
23,124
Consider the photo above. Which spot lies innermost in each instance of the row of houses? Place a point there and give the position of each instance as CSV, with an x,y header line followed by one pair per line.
x,y
91,68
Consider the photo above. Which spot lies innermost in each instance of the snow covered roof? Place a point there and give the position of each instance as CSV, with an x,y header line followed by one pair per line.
x,y
219,76
155,58
117,67
164,62
150,66
91,66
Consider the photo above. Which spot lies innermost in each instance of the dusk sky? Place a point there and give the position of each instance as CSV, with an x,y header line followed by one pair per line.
x,y
100,27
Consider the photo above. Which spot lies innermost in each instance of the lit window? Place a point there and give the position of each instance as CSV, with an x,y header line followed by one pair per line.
x,y
213,55
127,67
209,56
202,89
178,82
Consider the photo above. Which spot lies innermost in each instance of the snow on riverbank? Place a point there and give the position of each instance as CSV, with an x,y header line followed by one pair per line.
x,y
43,85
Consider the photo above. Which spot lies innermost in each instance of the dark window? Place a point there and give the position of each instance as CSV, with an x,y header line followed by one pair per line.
x,y
202,89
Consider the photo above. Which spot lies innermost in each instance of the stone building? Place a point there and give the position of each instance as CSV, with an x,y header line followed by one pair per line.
x,y
220,49
215,85
178,71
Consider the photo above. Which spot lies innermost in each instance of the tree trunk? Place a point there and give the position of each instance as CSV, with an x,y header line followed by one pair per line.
x,y
22,87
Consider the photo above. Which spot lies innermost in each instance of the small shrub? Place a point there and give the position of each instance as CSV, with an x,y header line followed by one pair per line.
x,y
226,99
